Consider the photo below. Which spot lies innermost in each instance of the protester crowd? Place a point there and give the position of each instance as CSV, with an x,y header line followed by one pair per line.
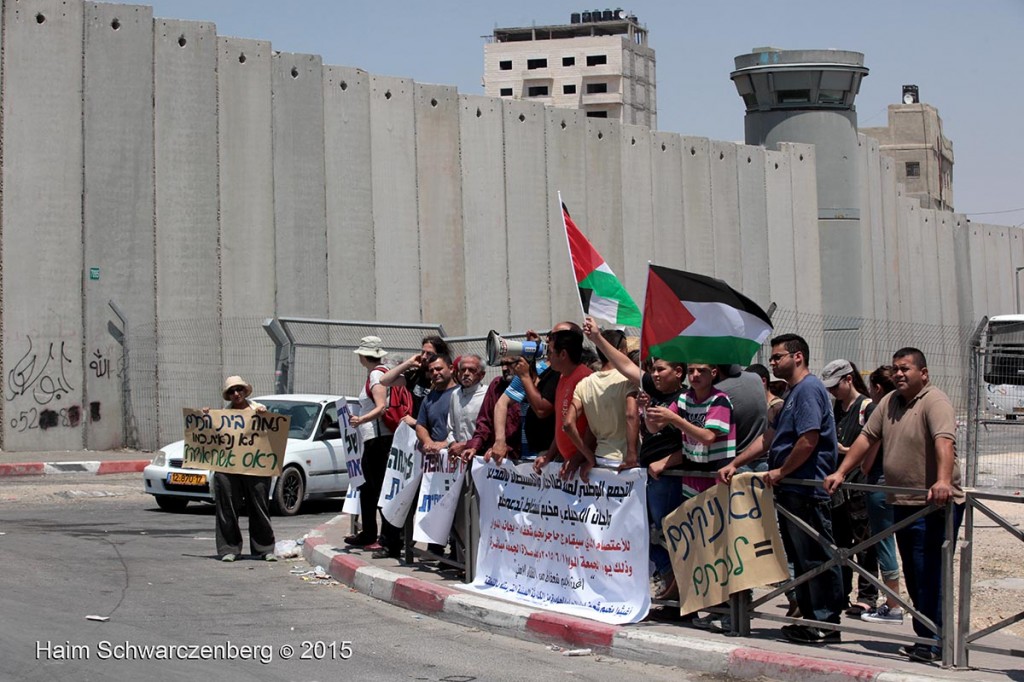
x,y
587,408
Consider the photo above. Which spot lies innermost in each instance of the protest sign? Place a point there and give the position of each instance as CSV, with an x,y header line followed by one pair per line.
x,y
568,546
402,478
351,505
235,441
725,540
353,445
440,491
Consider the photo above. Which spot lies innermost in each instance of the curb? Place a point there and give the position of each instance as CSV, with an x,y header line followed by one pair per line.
x,y
127,466
522,622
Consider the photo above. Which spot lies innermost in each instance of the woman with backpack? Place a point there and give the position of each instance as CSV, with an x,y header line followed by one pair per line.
x,y
377,437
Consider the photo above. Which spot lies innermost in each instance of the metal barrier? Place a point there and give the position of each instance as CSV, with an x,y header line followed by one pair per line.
x,y
966,639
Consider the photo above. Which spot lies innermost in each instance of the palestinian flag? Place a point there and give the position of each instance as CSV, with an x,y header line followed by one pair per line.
x,y
693,318
601,293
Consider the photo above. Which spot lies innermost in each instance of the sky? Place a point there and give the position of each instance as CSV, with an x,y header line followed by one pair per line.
x,y
963,55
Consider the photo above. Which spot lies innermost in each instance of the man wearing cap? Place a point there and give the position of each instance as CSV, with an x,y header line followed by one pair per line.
x,y
916,425
230,489
377,438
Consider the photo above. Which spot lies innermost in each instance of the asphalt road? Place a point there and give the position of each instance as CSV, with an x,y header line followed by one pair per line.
x,y
73,546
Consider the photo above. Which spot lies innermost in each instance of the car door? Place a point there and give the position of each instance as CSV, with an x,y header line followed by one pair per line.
x,y
325,459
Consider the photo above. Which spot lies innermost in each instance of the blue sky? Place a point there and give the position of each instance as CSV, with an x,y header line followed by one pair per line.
x,y
963,55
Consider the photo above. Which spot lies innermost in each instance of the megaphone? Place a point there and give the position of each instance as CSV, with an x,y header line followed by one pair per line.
x,y
499,348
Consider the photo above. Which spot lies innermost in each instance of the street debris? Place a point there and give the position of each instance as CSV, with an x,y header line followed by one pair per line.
x,y
287,549
102,619
316,576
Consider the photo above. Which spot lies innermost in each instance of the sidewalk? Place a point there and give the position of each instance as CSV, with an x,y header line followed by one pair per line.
x,y
73,462
424,589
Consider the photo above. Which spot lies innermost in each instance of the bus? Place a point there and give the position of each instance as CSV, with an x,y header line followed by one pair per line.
x,y
1004,366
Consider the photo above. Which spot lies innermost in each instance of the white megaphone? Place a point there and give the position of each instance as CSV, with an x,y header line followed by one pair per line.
x,y
499,348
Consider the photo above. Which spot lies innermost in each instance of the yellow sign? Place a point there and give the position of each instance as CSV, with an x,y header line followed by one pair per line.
x,y
235,441
725,540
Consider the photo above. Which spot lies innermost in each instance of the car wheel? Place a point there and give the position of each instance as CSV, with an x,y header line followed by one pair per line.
x,y
170,503
290,491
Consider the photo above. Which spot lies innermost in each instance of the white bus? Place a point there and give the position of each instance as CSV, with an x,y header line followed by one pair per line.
x,y
1004,366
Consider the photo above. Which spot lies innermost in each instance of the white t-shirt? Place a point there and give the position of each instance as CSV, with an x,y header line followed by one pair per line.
x,y
375,428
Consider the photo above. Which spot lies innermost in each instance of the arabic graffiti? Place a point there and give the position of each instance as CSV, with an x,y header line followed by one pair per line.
x,y
99,364
34,418
42,374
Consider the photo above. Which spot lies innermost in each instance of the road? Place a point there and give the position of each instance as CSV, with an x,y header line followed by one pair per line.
x,y
73,546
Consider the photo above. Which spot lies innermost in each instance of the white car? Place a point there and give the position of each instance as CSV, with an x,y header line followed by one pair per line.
x,y
314,461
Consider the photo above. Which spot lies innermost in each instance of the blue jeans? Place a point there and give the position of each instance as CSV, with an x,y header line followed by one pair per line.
x,y
920,546
880,517
821,597
664,495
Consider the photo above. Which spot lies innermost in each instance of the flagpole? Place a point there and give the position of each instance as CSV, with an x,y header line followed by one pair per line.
x,y
568,249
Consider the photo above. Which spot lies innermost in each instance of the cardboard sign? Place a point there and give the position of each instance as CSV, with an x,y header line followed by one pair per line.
x,y
572,547
725,540
235,441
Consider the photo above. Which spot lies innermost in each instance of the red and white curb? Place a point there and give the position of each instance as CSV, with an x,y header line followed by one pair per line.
x,y
126,466
526,623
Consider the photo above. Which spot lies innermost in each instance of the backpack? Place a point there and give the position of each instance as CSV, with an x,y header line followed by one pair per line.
x,y
399,403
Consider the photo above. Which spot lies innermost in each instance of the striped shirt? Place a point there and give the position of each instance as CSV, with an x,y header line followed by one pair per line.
x,y
715,414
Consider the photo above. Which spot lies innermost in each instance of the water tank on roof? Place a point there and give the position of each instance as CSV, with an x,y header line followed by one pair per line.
x,y
607,15
586,18
574,18
595,15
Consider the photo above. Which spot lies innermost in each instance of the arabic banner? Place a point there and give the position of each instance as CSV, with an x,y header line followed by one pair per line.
x,y
568,546
440,491
353,445
235,441
402,478
725,540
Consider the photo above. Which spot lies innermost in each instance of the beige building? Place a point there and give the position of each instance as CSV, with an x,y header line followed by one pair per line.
x,y
602,66
923,155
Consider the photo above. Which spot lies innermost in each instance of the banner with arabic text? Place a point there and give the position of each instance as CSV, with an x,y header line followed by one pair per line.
x,y
725,540
568,546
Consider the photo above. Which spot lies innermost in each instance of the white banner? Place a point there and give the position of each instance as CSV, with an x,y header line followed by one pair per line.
x,y
440,491
353,445
402,478
568,546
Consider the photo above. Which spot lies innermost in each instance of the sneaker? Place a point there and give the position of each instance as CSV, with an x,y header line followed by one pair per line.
x,y
803,634
229,557
884,614
270,556
385,553
668,591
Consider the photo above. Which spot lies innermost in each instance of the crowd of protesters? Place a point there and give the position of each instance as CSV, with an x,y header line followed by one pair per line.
x,y
787,423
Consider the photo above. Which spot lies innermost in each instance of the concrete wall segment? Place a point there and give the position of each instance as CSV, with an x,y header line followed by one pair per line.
x,y
698,230
482,169
41,263
526,220
566,173
393,172
117,211
638,234
187,228
725,212
443,289
247,226
669,245
782,279
753,223
605,186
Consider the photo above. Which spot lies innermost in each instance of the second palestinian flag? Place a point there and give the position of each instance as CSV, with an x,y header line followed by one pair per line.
x,y
693,318
601,293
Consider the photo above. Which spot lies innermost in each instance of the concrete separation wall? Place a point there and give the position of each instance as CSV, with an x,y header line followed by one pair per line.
x,y
205,183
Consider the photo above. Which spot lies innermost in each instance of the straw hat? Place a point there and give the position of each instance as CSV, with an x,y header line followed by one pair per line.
x,y
233,381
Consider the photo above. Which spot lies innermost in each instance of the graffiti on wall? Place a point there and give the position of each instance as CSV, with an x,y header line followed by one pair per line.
x,y
40,373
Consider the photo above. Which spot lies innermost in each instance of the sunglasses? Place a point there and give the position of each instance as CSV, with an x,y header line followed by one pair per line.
x,y
236,389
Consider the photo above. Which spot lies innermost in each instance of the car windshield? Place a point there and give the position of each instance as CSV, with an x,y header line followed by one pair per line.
x,y
304,415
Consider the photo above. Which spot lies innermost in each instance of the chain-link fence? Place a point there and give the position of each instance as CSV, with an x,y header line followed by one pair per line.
x,y
995,425
181,363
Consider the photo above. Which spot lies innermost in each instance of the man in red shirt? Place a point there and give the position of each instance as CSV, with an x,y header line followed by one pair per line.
x,y
565,352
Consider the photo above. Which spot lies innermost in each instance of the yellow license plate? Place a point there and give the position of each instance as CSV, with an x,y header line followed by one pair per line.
x,y
1019,409
176,478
